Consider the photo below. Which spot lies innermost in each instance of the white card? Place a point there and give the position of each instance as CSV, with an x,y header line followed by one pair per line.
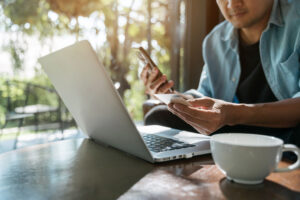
x,y
166,98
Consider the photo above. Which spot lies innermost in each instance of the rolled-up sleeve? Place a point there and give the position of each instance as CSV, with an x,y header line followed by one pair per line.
x,y
204,86
297,94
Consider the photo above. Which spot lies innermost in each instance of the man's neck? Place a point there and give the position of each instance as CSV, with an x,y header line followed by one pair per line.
x,y
252,34
249,38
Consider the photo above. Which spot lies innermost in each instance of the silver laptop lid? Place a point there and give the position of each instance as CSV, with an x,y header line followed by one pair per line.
x,y
89,94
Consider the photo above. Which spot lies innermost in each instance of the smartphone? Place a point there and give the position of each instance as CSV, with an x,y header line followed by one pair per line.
x,y
146,59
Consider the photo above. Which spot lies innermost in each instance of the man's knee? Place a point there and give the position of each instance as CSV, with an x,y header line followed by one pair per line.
x,y
160,115
156,115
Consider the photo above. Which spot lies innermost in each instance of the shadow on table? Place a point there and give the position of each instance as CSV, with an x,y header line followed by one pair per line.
x,y
265,190
102,172
180,179
70,169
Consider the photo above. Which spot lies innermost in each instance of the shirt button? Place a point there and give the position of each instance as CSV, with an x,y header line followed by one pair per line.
x,y
233,79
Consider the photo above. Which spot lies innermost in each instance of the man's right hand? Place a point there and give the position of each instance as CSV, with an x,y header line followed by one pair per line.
x,y
155,82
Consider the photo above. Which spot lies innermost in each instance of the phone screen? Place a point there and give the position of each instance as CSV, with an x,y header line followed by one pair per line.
x,y
145,58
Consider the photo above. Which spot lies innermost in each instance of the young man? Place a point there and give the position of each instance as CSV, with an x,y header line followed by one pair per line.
x,y
251,77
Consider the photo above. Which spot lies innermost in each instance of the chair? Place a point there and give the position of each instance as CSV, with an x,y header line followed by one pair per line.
x,y
26,101
149,104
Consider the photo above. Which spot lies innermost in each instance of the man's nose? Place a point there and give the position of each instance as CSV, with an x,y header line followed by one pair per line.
x,y
234,3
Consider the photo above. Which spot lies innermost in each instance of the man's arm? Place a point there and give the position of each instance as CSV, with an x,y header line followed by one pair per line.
x,y
280,114
207,115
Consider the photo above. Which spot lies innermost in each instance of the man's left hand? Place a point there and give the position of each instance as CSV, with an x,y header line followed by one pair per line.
x,y
206,114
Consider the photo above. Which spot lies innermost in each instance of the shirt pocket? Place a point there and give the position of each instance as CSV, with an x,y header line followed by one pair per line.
x,y
290,67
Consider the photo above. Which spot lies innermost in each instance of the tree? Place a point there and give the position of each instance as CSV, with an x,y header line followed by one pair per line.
x,y
126,26
73,9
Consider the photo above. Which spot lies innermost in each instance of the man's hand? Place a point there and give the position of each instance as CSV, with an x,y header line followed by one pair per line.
x,y
155,82
206,115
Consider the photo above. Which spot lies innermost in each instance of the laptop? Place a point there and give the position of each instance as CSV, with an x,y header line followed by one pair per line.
x,y
89,94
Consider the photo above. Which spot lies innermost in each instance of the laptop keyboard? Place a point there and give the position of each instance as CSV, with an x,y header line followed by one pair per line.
x,y
159,144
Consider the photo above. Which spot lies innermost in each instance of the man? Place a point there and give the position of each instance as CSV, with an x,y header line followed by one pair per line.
x,y
251,77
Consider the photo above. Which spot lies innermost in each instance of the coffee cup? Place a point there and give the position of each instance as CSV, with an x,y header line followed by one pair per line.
x,y
249,158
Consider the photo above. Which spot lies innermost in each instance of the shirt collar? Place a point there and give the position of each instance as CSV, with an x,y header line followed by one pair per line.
x,y
276,14
275,18
232,36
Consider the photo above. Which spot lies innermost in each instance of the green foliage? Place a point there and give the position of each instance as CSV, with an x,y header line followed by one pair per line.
x,y
135,31
46,94
74,9
31,17
3,94
118,56
17,55
135,97
21,12
15,91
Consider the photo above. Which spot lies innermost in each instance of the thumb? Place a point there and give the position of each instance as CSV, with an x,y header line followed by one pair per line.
x,y
201,102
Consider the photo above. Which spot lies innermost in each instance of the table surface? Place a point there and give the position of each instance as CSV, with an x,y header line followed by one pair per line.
x,y
82,169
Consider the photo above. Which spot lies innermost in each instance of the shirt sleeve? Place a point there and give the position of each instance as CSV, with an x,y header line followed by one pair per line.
x,y
297,94
204,86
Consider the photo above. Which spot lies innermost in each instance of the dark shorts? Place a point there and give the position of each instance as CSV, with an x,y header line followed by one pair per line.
x,y
159,115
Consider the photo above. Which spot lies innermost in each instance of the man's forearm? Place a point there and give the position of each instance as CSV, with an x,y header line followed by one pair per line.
x,y
281,114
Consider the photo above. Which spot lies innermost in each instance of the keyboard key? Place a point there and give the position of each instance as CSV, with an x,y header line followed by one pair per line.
x,y
160,144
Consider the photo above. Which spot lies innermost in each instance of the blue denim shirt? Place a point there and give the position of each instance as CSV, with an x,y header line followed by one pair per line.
x,y
279,52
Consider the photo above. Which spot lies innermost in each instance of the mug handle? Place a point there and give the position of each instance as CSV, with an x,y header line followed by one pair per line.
x,y
296,150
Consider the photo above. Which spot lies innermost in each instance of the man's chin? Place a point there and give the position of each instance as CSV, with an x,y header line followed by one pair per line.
x,y
239,25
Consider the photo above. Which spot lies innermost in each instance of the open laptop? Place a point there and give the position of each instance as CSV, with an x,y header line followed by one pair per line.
x,y
83,84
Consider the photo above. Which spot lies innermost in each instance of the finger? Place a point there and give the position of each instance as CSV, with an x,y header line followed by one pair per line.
x,y
182,114
199,113
174,110
201,130
170,108
153,75
180,100
166,87
199,125
144,74
202,102
158,82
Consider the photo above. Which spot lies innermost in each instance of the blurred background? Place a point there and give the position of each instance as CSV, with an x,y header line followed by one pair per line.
x,y
170,30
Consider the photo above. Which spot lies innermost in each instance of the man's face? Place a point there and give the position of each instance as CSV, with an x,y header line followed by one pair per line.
x,y
245,13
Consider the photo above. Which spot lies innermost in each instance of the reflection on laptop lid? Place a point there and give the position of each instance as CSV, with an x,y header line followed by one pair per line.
x,y
89,94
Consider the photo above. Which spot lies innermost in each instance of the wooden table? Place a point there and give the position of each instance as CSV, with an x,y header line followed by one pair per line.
x,y
82,169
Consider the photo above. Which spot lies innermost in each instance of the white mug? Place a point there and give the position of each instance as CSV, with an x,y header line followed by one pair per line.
x,y
249,158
